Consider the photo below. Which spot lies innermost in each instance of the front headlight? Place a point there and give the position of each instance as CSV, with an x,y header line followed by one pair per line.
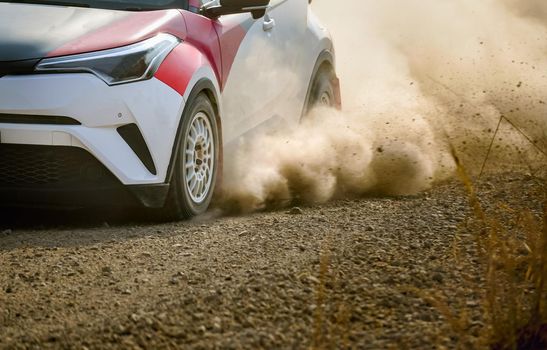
x,y
116,66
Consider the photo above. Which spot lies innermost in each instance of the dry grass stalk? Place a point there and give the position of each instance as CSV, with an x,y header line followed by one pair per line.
x,y
331,319
515,319
319,336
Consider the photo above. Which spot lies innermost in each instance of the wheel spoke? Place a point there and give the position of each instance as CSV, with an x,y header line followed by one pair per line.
x,y
193,183
199,127
190,174
197,188
202,189
192,141
193,131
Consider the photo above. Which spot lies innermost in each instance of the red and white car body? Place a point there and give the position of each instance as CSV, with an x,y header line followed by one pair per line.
x,y
253,71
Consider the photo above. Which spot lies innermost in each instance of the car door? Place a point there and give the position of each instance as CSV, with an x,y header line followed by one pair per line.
x,y
260,65
288,55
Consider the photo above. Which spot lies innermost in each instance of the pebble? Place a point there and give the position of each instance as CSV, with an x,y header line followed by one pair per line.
x,y
313,279
7,232
296,211
106,271
217,324
438,277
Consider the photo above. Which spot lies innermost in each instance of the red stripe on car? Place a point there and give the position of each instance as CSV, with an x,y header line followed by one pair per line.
x,y
219,41
179,66
201,33
230,37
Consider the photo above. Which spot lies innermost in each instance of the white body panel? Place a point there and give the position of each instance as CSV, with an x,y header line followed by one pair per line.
x,y
152,105
272,69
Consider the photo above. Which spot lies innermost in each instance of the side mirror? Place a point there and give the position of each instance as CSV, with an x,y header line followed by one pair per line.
x,y
226,7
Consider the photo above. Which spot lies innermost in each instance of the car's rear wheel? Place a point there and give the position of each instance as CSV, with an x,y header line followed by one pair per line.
x,y
323,91
196,163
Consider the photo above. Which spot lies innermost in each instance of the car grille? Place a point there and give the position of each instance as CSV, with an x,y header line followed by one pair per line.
x,y
51,166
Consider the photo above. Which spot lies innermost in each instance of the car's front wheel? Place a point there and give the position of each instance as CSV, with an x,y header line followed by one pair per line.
x,y
196,163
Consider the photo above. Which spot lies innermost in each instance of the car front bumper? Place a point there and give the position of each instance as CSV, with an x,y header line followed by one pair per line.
x,y
34,110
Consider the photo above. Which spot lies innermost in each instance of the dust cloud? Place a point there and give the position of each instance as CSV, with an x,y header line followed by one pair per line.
x,y
417,76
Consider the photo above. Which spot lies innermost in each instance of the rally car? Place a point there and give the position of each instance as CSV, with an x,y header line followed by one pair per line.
x,y
107,102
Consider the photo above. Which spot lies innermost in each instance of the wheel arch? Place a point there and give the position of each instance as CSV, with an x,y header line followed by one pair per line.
x,y
206,86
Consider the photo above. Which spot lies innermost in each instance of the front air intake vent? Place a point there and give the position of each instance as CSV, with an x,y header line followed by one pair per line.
x,y
132,135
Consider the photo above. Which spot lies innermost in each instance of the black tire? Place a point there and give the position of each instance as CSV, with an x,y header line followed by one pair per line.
x,y
323,91
179,204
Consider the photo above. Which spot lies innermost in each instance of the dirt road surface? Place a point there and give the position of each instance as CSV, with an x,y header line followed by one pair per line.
x,y
351,273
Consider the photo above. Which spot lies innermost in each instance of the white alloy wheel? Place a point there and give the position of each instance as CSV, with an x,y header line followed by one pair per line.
x,y
196,161
199,158
322,90
325,100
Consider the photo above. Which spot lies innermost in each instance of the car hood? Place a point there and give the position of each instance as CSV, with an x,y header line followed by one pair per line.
x,y
32,31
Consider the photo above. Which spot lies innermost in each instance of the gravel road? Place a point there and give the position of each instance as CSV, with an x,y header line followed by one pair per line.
x,y
350,273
